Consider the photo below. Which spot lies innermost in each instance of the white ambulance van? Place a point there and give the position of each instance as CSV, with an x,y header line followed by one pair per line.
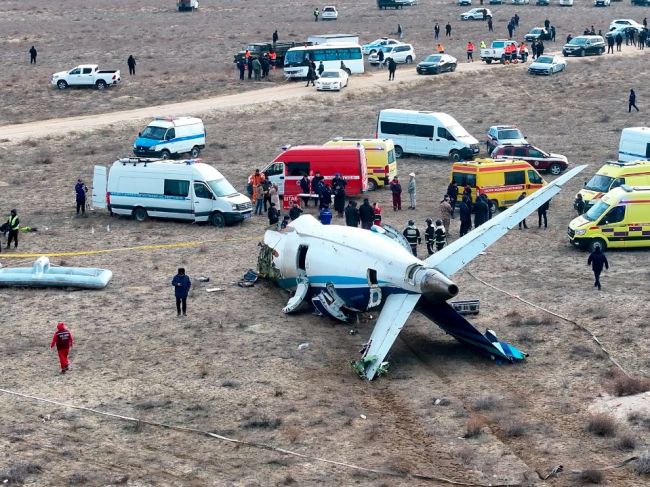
x,y
168,136
183,190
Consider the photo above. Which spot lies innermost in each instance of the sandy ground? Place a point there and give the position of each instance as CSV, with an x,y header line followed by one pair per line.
x,y
233,365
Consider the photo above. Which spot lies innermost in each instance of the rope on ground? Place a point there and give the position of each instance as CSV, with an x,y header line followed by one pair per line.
x,y
261,446
569,320
196,243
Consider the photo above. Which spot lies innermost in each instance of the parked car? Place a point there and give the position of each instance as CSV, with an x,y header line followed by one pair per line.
x,y
407,3
437,63
464,2
543,3
86,75
386,4
333,80
520,2
547,65
584,46
495,2
400,53
496,51
565,3
372,47
329,13
601,3
537,34
166,137
540,160
503,134
622,23
476,14
187,5
641,3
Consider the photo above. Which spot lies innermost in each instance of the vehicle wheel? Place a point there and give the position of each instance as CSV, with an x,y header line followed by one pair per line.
x,y
165,154
453,68
494,206
217,220
194,153
596,242
602,50
399,153
140,214
488,61
409,59
101,85
372,51
581,53
61,84
372,185
454,156
555,169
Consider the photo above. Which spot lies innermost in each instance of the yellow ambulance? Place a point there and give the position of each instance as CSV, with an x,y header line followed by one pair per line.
x,y
380,159
621,219
501,180
612,175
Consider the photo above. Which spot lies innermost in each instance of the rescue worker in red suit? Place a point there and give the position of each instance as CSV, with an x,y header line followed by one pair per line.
x,y
63,340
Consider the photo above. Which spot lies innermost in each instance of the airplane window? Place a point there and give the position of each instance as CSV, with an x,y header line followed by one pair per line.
x,y
302,257
372,277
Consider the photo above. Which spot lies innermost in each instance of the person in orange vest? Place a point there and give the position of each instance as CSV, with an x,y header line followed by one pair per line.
x,y
441,49
63,340
247,54
376,209
522,52
470,52
508,53
273,56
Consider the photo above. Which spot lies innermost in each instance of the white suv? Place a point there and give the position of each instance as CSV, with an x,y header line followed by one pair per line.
x,y
400,53
476,14
622,23
329,13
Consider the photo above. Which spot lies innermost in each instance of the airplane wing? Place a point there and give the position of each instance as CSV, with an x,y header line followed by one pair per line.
x,y
454,257
393,316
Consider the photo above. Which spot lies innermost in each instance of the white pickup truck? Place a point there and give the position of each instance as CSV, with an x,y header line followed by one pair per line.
x,y
86,75
496,52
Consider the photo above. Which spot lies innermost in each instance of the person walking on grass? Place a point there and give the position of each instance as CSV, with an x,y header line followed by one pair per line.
x,y
541,215
259,199
436,31
131,63
522,222
399,31
597,261
311,75
448,30
182,284
411,188
470,52
63,341
32,55
80,193
392,66
13,225
445,212
632,102
316,14
396,191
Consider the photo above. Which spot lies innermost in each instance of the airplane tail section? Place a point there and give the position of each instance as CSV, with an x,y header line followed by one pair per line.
x,y
447,318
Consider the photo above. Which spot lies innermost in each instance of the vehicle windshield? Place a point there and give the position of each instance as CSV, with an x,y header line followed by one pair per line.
x,y
510,134
328,9
599,183
536,31
596,211
578,41
457,131
432,59
330,74
221,187
156,133
294,57
544,60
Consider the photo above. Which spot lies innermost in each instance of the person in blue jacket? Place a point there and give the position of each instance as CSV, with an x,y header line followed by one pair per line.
x,y
80,193
182,284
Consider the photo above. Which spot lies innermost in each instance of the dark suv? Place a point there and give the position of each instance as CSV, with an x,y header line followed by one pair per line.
x,y
584,46
540,160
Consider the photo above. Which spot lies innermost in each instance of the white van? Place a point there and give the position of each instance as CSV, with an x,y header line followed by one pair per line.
x,y
167,136
634,144
183,190
426,133
566,3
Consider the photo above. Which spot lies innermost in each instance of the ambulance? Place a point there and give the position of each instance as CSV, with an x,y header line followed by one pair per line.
x,y
612,175
501,180
621,219
380,159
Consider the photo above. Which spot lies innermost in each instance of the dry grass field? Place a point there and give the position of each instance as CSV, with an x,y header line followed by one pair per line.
x,y
233,366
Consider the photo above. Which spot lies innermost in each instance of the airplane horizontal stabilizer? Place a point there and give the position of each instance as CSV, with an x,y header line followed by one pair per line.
x,y
447,318
457,255
393,316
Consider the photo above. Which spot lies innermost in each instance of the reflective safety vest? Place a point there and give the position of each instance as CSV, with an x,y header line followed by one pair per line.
x,y
13,222
522,48
441,48
483,45
470,47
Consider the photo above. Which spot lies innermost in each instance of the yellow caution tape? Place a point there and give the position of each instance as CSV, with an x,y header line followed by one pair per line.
x,y
122,249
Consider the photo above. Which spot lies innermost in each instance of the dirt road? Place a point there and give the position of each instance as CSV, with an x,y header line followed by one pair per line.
x,y
282,92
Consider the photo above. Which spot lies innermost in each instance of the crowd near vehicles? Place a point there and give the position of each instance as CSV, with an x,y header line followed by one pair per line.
x,y
296,61
329,13
288,168
503,134
547,65
612,175
621,219
476,14
380,159
540,160
501,180
332,80
634,144
426,133
187,5
496,51
538,34
584,46
166,137
437,63
373,47
181,190
86,75
258,49
400,53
